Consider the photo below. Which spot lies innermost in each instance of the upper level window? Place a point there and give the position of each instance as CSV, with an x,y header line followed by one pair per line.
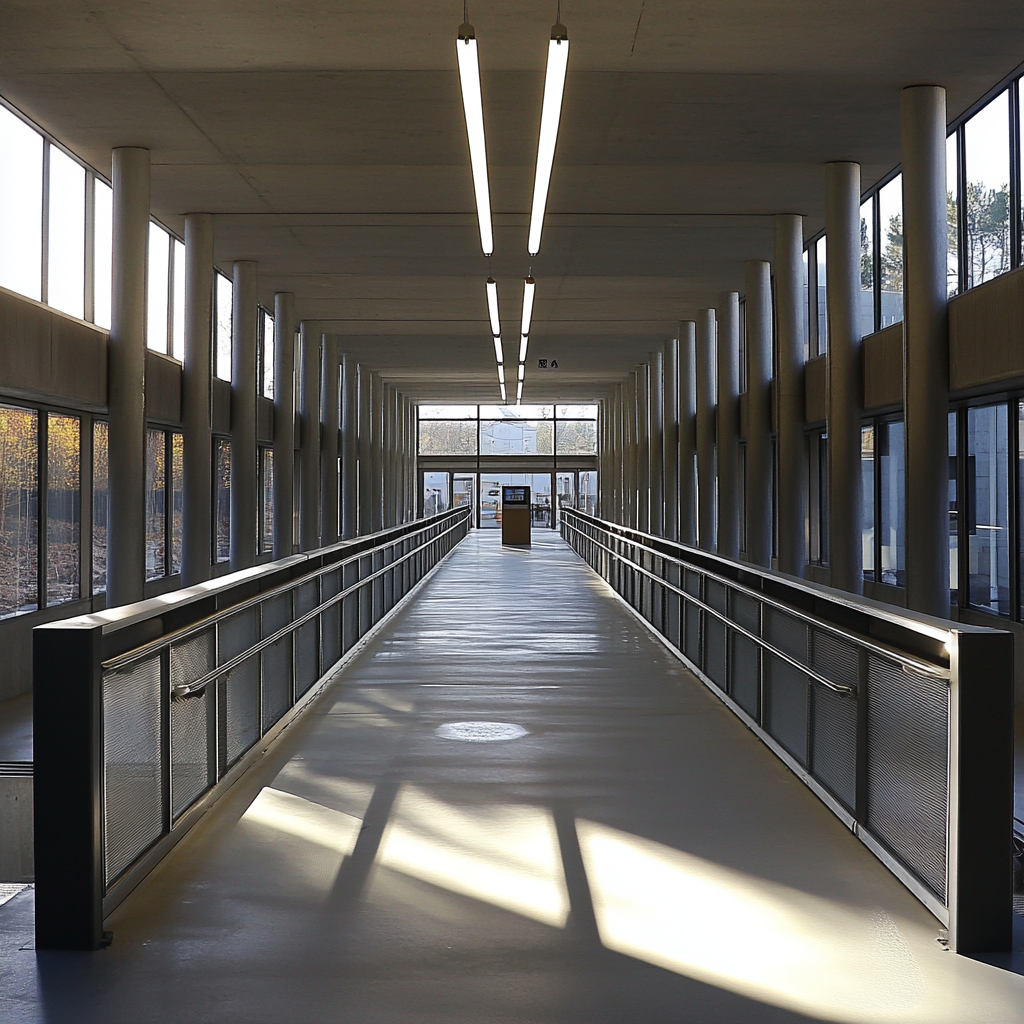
x,y
21,206
890,218
986,204
65,279
157,280
866,298
266,354
103,199
222,327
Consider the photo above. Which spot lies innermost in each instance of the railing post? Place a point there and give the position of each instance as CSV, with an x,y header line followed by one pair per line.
x,y
68,798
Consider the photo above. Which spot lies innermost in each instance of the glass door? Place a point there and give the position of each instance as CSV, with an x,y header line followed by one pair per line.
x,y
565,488
464,491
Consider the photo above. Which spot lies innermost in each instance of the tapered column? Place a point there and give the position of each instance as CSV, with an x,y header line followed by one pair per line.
x,y
244,326
656,385
196,554
687,432
309,454
329,423
671,438
349,449
284,423
759,442
925,347
842,227
643,461
126,380
365,460
632,450
377,451
728,424
705,362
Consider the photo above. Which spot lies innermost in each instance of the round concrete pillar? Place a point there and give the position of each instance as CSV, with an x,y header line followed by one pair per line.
x,y
728,424
687,432
309,454
643,446
244,347
656,385
757,277
705,365
376,452
284,423
329,424
670,376
365,462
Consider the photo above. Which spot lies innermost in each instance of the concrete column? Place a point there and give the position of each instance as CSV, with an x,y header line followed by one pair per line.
x,y
244,327
687,432
643,454
616,515
728,425
705,364
126,379
377,451
197,443
349,449
391,455
671,438
759,412
925,347
842,228
413,450
329,423
309,454
631,450
284,423
365,461
656,386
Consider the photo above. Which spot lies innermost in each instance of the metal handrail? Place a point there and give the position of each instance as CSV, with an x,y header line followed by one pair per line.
x,y
917,664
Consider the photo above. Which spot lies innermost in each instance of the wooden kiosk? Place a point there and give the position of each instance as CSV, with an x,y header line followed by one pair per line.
x,y
515,515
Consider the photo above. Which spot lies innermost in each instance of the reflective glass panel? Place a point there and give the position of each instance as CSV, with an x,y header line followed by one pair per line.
x,y
586,497
890,217
867,505
987,199
268,354
805,307
156,508
952,215
516,437
99,506
447,412
101,248
267,500
156,288
576,412
447,437
516,412
21,206
222,499
892,516
222,347
177,498
65,279
954,567
178,302
821,257
577,437
435,493
63,508
19,510
866,299
989,516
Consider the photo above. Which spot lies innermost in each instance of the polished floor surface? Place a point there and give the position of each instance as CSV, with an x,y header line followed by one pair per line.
x,y
513,806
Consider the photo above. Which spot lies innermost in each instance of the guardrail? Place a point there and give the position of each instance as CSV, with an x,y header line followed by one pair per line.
x,y
145,714
901,723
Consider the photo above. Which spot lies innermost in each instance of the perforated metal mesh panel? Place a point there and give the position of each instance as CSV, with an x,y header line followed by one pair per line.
x,y
237,633
330,584
716,595
714,650
834,742
193,658
786,633
743,674
785,711
133,797
307,639
908,778
745,610
241,709
692,633
277,660
835,658
190,748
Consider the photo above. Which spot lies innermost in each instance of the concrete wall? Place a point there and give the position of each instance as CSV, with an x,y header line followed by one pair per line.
x,y
816,390
883,368
986,333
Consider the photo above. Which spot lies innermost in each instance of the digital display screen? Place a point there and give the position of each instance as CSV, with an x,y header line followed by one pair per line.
x,y
515,496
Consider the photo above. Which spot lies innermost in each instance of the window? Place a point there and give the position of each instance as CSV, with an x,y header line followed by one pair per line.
x,y
516,437
954,567
267,500
586,495
821,261
988,508
436,496
952,216
222,329
178,304
63,495
890,218
806,308
892,517
21,206
267,353
987,200
177,498
817,497
156,285
65,281
576,437
102,248
19,510
867,499
99,506
866,299
222,499
156,509
447,437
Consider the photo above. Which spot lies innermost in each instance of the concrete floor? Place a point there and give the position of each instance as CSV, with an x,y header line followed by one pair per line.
x,y
635,855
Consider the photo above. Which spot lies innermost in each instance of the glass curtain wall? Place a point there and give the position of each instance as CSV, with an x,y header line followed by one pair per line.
x,y
99,506
19,510
63,508
988,508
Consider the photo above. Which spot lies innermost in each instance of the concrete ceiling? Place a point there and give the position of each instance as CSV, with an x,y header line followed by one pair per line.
x,y
329,140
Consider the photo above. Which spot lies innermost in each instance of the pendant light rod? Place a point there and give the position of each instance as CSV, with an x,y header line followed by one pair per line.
x,y
551,112
492,306
473,106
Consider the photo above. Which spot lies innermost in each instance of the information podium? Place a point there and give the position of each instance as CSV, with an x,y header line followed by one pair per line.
x,y
515,515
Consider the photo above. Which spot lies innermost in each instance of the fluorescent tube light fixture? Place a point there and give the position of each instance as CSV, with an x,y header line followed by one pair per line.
x,y
504,399
551,112
498,354
523,342
472,104
522,371
529,287
519,394
501,374
492,306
